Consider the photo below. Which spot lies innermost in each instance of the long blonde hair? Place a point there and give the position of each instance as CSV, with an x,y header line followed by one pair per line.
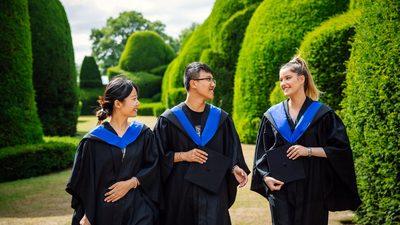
x,y
299,65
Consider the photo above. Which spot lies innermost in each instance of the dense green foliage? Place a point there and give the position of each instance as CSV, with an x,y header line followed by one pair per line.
x,y
54,74
326,49
108,42
88,98
23,161
372,111
18,116
90,76
149,84
272,36
223,56
277,95
144,51
151,109
190,52
176,96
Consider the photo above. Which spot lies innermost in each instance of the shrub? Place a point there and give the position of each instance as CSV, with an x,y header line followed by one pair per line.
x,y
273,33
54,74
277,95
372,112
23,161
176,96
18,116
151,109
145,50
89,97
149,84
159,71
158,109
326,49
90,76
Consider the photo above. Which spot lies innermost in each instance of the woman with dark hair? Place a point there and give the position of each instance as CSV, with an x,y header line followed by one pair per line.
x,y
115,177
303,162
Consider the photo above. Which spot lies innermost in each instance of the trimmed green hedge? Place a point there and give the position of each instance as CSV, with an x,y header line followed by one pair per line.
x,y
151,109
18,116
89,97
372,111
326,49
277,95
149,84
24,161
145,50
90,76
54,73
274,32
176,96
190,52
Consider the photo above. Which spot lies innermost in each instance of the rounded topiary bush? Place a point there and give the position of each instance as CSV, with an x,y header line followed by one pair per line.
x,y
54,73
326,49
18,116
89,76
274,32
371,111
145,50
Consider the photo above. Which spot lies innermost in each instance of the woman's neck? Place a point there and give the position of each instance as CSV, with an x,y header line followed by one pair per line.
x,y
119,123
195,104
296,102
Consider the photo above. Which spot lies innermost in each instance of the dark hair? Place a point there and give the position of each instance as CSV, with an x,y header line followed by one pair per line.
x,y
118,88
192,72
299,66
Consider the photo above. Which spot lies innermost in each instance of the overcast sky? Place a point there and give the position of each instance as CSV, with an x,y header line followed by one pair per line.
x,y
83,15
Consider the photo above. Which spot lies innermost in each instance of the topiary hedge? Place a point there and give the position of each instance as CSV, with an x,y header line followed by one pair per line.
x,y
274,32
18,116
372,111
90,76
54,74
326,49
89,97
145,50
149,84
24,161
190,52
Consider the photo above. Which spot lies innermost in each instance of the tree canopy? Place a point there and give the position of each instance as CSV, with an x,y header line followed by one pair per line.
x,y
108,42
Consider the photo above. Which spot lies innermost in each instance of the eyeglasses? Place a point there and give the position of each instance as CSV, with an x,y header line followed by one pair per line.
x,y
209,79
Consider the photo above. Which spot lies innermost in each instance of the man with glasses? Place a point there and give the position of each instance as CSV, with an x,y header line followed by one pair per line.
x,y
202,162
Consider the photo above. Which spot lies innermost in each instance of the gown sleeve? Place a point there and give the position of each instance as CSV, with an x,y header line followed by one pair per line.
x,y
343,192
81,184
236,147
149,174
264,142
166,156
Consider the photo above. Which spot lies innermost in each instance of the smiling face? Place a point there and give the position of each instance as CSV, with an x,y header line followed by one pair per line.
x,y
291,83
204,85
130,105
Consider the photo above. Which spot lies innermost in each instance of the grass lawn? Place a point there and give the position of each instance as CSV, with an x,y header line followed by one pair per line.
x,y
42,200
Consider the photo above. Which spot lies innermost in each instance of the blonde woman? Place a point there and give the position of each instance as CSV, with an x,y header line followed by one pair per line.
x,y
303,161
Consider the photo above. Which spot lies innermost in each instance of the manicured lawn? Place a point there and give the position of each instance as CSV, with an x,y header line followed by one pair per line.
x,y
42,200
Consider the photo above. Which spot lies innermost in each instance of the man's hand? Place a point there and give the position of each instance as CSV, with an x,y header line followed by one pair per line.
x,y
273,184
240,176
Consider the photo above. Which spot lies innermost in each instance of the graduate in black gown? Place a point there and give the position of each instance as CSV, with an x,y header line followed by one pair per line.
x,y
115,177
318,142
201,158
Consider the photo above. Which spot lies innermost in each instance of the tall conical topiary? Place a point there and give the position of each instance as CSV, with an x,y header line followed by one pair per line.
x,y
274,32
145,50
18,116
371,111
89,77
54,73
326,49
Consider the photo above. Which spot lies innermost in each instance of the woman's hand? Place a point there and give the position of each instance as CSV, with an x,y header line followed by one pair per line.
x,y
273,184
84,221
194,155
119,189
240,176
295,151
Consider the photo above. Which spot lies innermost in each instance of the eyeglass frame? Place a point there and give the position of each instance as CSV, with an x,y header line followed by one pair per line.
x,y
209,79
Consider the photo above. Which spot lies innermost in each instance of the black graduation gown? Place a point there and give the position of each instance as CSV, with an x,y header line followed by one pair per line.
x,y
98,165
330,183
184,202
